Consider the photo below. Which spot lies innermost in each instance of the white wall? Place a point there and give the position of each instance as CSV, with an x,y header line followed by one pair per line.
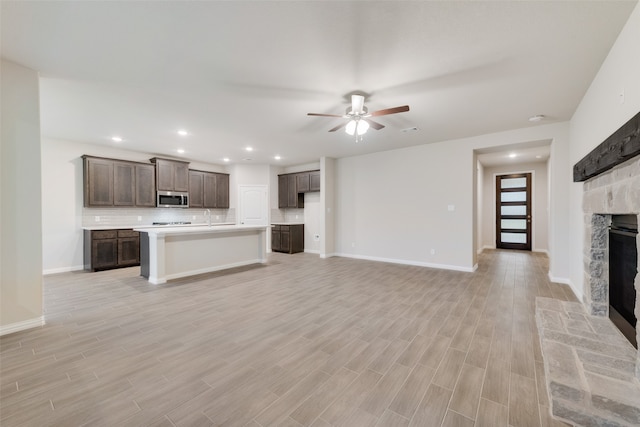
x,y
62,199
394,205
328,209
20,211
600,113
540,203
480,218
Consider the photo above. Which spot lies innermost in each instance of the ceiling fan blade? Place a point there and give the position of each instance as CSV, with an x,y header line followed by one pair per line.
x,y
340,126
323,115
375,125
389,111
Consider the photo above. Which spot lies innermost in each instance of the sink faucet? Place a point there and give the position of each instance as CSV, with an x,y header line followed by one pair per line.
x,y
207,213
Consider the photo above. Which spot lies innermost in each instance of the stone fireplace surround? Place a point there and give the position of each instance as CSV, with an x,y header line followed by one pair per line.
x,y
611,193
591,370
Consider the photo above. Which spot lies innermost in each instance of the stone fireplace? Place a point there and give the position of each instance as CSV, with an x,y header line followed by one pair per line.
x,y
615,192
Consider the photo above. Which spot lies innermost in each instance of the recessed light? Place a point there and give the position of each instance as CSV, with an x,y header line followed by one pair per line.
x,y
183,132
116,139
411,129
249,148
247,159
226,159
512,155
180,150
538,157
277,157
536,118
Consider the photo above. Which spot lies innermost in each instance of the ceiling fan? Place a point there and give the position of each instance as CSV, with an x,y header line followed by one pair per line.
x,y
359,118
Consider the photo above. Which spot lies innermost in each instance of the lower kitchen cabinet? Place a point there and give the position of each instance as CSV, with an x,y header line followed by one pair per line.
x,y
106,249
287,238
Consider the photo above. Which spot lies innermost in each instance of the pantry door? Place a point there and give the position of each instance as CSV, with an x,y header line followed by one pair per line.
x,y
253,205
513,211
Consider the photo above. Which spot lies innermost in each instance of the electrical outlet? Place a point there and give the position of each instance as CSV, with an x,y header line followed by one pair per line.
x,y
193,217
296,216
316,237
97,218
451,208
433,251
139,218
353,244
217,216
621,96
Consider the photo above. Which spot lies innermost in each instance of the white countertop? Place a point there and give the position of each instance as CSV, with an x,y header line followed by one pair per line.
x,y
141,226
287,223
201,229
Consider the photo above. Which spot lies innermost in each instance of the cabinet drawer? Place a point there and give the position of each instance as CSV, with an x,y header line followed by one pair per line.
x,y
276,227
104,234
284,228
128,233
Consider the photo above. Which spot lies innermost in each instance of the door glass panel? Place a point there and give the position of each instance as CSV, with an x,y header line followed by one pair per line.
x,y
513,210
513,237
518,224
513,182
516,196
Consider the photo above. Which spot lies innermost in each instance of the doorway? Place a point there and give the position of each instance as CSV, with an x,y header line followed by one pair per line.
x,y
253,205
513,211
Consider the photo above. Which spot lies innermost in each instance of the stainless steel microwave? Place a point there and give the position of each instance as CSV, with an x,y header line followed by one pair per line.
x,y
172,199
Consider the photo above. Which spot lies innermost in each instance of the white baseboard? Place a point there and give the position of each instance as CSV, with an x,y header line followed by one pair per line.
x,y
21,326
406,262
160,281
324,256
312,251
544,251
62,270
566,281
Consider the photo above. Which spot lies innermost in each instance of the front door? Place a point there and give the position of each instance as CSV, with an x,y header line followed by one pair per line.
x,y
513,211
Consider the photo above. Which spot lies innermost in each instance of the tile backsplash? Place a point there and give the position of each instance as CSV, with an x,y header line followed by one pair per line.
x,y
287,215
144,216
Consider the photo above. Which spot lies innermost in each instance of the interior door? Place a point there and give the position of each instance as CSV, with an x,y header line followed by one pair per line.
x,y
253,205
513,211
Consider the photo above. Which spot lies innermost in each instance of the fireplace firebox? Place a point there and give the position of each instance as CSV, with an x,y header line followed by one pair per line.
x,y
623,266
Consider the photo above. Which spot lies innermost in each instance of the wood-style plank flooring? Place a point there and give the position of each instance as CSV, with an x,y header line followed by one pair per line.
x,y
298,341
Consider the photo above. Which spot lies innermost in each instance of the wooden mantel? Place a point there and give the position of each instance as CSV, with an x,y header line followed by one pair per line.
x,y
622,145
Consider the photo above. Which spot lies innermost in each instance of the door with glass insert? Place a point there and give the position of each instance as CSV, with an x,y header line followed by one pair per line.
x,y
513,211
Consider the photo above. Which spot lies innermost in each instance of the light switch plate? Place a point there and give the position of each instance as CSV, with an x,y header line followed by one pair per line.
x,y
451,208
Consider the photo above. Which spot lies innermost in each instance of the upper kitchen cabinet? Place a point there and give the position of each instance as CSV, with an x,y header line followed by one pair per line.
x,y
171,175
145,185
98,182
118,183
292,186
208,189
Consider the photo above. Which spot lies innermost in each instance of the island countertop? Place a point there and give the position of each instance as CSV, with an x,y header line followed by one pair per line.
x,y
199,229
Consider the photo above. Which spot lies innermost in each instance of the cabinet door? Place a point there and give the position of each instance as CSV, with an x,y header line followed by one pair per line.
x,y
210,190
128,251
196,189
314,181
165,176
145,185
181,176
283,191
302,182
98,182
275,240
104,253
222,191
124,190
292,192
285,240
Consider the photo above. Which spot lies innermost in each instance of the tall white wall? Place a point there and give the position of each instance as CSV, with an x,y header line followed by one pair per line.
x,y
327,207
20,210
612,99
540,203
394,205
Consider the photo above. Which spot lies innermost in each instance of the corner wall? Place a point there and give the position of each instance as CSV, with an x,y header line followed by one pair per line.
x,y
20,211
611,100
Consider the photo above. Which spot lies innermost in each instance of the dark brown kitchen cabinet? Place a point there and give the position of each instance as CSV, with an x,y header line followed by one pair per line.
x,y
208,189
314,181
171,175
292,186
287,238
196,188
98,182
118,183
124,188
288,196
107,249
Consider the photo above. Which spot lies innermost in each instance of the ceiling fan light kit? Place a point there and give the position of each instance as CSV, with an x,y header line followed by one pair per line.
x,y
358,117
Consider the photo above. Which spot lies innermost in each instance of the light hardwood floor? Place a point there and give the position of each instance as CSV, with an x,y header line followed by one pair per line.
x,y
298,341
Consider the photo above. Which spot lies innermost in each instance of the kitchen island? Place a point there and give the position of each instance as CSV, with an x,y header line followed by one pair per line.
x,y
172,252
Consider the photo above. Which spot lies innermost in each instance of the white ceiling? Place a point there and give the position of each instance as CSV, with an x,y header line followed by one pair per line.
x,y
246,73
